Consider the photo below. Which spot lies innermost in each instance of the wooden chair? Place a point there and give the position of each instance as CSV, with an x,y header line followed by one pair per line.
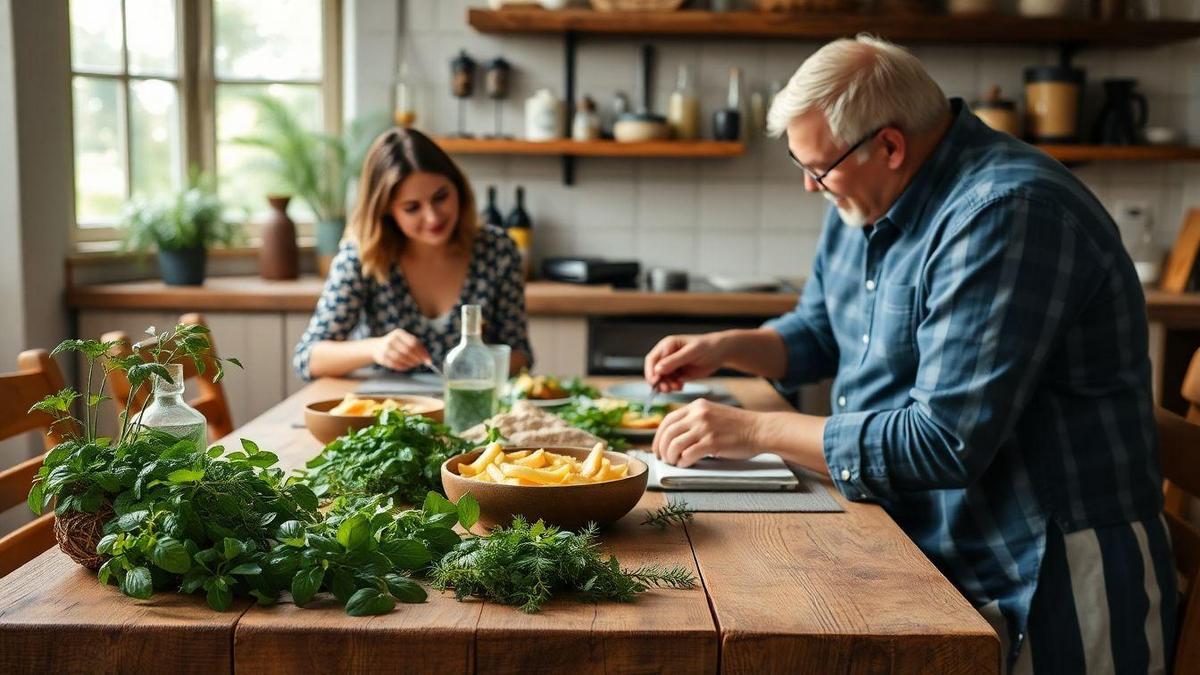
x,y
37,375
1176,500
211,401
1179,443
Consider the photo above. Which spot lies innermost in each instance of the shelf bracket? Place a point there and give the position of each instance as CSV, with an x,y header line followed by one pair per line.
x,y
570,44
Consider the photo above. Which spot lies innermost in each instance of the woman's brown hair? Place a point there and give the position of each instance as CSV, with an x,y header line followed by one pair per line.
x,y
395,155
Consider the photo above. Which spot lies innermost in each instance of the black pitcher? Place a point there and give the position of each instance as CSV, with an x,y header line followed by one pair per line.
x,y
1123,116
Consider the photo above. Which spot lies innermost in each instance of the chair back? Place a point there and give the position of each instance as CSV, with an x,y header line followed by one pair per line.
x,y
37,376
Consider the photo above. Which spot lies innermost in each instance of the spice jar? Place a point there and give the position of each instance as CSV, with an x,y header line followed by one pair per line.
x,y
998,113
496,78
462,70
1052,103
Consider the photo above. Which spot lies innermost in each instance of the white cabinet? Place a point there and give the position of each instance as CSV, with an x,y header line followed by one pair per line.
x,y
559,345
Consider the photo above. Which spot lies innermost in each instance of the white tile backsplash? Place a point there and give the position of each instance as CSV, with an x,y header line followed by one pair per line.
x,y
745,215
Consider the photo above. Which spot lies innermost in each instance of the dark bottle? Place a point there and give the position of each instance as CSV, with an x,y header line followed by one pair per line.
x,y
520,229
491,214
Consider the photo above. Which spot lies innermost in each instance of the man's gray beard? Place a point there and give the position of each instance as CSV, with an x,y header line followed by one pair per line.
x,y
850,218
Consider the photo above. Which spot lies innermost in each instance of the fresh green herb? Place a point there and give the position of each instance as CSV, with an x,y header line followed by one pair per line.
x,y
583,413
399,456
577,387
525,565
676,512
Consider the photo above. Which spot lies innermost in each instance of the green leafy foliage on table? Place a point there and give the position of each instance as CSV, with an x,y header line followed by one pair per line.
x,y
399,456
528,564
186,219
676,512
601,420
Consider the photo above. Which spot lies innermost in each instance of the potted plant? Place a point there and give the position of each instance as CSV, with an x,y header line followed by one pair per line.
x,y
316,167
181,226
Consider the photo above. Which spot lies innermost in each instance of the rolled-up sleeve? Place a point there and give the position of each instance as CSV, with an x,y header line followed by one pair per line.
x,y
807,334
338,310
1000,288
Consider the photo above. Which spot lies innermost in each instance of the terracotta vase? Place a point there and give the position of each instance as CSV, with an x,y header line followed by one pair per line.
x,y
278,255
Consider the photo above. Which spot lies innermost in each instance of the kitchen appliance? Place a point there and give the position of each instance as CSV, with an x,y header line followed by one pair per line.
x,y
662,279
642,125
1123,116
619,273
1052,103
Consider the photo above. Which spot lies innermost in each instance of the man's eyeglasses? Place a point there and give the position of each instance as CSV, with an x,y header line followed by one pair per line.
x,y
818,177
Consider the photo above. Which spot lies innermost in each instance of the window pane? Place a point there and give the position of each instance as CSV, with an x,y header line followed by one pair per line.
x,y
96,35
150,29
267,39
99,164
154,137
244,174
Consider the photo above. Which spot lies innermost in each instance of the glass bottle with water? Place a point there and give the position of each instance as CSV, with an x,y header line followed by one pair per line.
x,y
470,372
169,413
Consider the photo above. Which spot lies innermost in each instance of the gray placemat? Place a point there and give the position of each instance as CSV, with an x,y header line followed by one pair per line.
x,y
810,497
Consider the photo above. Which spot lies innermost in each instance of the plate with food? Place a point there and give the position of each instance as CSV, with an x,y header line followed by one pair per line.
x,y
636,422
544,391
335,417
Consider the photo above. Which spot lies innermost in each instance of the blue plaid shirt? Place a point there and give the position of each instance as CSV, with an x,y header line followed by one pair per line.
x,y
989,342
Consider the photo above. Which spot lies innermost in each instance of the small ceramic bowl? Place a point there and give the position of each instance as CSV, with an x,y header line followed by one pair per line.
x,y
567,506
326,427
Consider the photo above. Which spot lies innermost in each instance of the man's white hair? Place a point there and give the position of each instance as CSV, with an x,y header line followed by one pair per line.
x,y
861,84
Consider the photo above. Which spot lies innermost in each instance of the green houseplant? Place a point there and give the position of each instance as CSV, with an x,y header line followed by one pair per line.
x,y
181,226
316,167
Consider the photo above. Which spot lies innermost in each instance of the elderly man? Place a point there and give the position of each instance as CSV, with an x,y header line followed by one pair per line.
x,y
987,335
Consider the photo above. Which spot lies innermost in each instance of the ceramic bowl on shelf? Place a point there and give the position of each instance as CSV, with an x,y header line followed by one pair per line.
x,y
568,506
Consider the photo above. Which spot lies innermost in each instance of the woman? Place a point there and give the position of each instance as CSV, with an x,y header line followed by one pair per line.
x,y
413,254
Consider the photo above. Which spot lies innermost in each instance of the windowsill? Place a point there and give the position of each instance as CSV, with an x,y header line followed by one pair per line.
x,y
107,252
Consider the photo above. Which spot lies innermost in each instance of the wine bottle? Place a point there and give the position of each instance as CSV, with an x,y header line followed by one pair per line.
x,y
520,229
470,371
491,215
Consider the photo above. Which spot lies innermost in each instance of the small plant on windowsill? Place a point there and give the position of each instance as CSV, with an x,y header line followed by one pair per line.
x,y
182,227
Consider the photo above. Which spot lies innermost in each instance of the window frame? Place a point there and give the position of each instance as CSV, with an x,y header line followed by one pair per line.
x,y
196,84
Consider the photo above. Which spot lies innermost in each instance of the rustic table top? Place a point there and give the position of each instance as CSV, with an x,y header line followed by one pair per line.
x,y
782,592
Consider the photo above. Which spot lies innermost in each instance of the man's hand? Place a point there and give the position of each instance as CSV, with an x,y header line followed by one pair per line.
x,y
398,350
703,429
679,358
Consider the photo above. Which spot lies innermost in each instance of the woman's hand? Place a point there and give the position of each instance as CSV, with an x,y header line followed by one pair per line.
x,y
705,429
399,350
679,358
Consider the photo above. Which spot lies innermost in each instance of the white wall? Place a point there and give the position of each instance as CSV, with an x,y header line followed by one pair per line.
x,y
747,215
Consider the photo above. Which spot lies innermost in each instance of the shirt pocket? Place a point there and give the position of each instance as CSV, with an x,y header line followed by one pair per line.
x,y
893,337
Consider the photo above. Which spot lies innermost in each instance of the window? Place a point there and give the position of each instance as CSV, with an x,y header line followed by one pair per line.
x,y
149,102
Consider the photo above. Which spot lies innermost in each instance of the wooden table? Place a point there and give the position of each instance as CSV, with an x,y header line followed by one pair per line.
x,y
792,592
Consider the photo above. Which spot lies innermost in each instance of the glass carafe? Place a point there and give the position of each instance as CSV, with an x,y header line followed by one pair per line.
x,y
470,371
169,413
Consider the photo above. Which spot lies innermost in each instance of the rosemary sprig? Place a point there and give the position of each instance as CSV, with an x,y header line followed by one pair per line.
x,y
675,576
676,512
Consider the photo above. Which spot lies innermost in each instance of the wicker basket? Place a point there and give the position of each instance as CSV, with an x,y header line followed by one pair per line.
x,y
79,533
636,5
800,6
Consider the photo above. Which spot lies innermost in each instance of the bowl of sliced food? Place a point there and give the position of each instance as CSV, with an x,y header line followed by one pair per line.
x,y
328,419
564,486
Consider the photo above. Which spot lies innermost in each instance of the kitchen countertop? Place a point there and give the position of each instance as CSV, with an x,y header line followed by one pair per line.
x,y
542,298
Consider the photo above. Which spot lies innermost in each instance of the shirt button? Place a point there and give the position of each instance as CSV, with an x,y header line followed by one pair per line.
x,y
870,284
866,338
842,401
845,474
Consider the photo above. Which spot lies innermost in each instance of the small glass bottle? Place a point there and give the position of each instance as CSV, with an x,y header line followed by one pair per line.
x,y
169,413
683,108
404,111
470,371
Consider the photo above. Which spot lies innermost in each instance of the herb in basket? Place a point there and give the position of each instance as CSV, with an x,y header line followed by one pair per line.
x,y
526,565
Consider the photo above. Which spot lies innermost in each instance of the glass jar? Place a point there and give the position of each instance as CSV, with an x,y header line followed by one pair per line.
x,y
169,413
470,372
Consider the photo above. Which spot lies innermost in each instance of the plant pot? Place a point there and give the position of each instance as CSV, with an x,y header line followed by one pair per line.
x,y
329,237
278,255
183,267
79,533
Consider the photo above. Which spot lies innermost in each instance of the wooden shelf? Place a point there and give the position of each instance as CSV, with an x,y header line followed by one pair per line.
x,y
933,28
682,149
1121,153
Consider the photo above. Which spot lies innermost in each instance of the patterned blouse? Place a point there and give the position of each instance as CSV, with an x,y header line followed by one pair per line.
x,y
355,305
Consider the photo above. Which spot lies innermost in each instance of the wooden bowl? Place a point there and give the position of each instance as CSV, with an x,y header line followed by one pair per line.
x,y
567,506
326,427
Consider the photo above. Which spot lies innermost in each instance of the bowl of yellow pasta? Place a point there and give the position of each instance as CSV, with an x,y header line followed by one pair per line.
x,y
564,486
328,419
